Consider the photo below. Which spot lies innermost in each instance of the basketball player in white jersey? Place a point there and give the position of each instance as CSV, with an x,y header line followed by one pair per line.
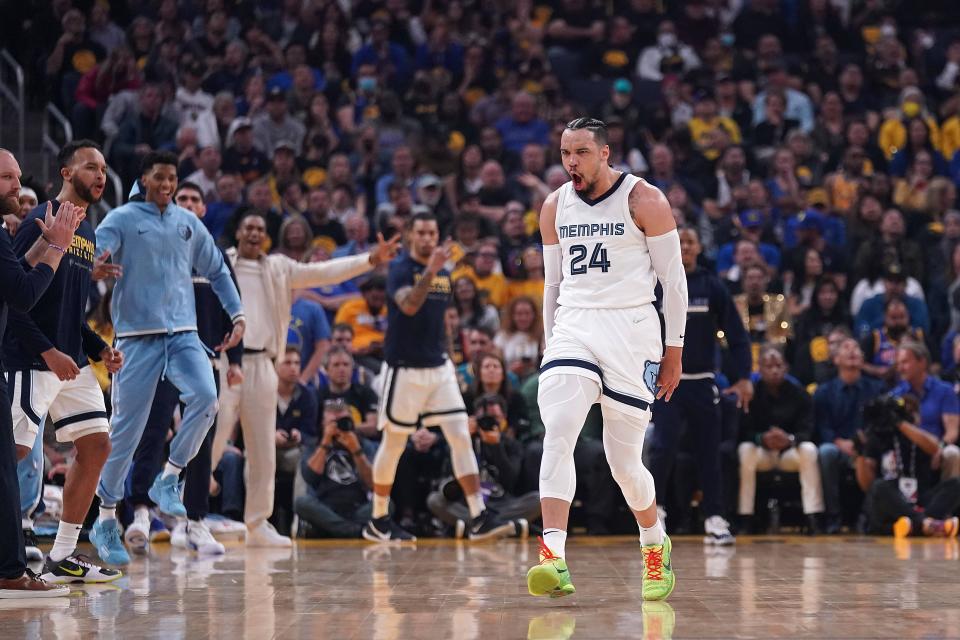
x,y
608,237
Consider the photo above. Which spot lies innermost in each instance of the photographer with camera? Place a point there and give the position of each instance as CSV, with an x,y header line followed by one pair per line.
x,y
895,470
939,405
500,457
339,381
338,476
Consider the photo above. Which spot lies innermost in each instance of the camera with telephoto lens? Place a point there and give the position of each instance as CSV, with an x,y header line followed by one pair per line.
x,y
338,405
882,417
485,421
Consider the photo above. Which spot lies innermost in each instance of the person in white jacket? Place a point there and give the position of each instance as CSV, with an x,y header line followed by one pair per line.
x,y
266,285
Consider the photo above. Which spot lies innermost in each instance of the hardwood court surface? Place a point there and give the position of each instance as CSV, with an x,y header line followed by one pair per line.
x,y
762,588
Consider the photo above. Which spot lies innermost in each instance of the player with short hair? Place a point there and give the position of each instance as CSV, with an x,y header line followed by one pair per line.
x,y
608,237
420,386
160,246
46,351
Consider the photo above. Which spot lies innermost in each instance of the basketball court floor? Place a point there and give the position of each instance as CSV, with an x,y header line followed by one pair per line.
x,y
762,588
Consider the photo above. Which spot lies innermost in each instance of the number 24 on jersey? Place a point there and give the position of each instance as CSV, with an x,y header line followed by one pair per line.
x,y
598,259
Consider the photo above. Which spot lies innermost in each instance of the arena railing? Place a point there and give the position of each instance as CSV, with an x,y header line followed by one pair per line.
x,y
11,90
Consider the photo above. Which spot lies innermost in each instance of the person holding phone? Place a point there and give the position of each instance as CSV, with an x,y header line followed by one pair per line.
x,y
338,476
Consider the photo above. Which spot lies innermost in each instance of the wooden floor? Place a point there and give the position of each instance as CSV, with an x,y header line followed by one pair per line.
x,y
762,588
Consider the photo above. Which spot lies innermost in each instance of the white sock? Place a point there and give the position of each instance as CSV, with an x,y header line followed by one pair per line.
x,y
381,505
651,535
66,541
26,524
475,504
556,541
141,512
171,469
108,513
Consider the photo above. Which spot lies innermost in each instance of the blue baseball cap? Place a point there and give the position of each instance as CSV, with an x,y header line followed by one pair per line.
x,y
751,219
623,85
810,219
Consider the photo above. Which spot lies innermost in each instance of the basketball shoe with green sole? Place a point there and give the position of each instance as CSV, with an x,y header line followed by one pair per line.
x,y
550,577
658,576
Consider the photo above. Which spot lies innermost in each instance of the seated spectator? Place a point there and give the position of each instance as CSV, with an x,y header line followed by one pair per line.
x,y
296,238
521,336
117,73
668,57
221,210
394,215
341,381
838,416
493,378
208,164
74,54
880,345
810,229
403,167
479,343
939,406
368,317
752,226
491,284
241,157
309,331
891,247
771,131
474,313
259,200
776,434
513,241
896,472
911,193
456,340
143,130
522,126
796,106
871,314
532,284
330,297
341,335
338,476
500,457
296,427
826,319
357,231
277,125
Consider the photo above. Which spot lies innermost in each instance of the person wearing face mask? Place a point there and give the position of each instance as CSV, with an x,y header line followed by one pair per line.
x,y
668,57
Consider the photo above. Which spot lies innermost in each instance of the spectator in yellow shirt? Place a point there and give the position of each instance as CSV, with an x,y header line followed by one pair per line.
x,y
705,121
367,316
532,285
484,275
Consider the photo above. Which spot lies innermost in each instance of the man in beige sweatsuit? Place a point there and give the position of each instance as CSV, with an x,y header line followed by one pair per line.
x,y
266,284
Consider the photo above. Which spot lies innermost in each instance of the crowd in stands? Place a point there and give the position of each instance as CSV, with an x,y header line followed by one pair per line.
x,y
813,145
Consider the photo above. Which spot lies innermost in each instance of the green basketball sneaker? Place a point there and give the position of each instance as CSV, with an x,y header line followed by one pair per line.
x,y
550,577
658,577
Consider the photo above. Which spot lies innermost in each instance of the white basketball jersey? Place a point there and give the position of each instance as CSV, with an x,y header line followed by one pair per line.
x,y
606,263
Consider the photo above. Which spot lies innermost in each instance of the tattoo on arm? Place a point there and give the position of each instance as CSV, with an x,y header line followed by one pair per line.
x,y
410,299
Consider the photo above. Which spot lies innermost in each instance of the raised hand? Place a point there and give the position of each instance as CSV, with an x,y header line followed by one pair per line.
x,y
385,250
103,269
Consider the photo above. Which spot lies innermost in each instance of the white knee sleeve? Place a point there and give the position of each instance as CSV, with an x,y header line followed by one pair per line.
x,y
564,401
623,443
457,433
392,443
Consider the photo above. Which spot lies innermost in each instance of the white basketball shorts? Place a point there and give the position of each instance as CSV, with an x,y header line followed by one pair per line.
x,y
414,397
75,406
620,349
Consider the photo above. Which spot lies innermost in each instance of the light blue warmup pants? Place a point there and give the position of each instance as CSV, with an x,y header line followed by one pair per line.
x,y
183,360
30,475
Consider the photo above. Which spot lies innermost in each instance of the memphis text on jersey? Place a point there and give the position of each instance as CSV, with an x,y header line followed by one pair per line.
x,y
587,230
441,283
82,248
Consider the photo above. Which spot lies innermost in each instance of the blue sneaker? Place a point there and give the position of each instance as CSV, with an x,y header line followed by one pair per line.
x,y
165,493
158,531
105,537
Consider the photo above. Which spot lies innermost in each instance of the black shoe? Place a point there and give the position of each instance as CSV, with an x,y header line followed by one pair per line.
x,y
77,568
32,546
834,524
386,530
813,524
489,525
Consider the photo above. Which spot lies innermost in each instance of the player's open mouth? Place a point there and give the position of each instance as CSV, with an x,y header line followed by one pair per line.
x,y
577,181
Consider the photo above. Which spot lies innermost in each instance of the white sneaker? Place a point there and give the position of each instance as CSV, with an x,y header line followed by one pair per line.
x,y
225,527
264,535
202,541
178,537
717,531
137,535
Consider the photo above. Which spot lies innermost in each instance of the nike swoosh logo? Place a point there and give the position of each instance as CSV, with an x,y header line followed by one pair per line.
x,y
562,571
73,572
142,231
